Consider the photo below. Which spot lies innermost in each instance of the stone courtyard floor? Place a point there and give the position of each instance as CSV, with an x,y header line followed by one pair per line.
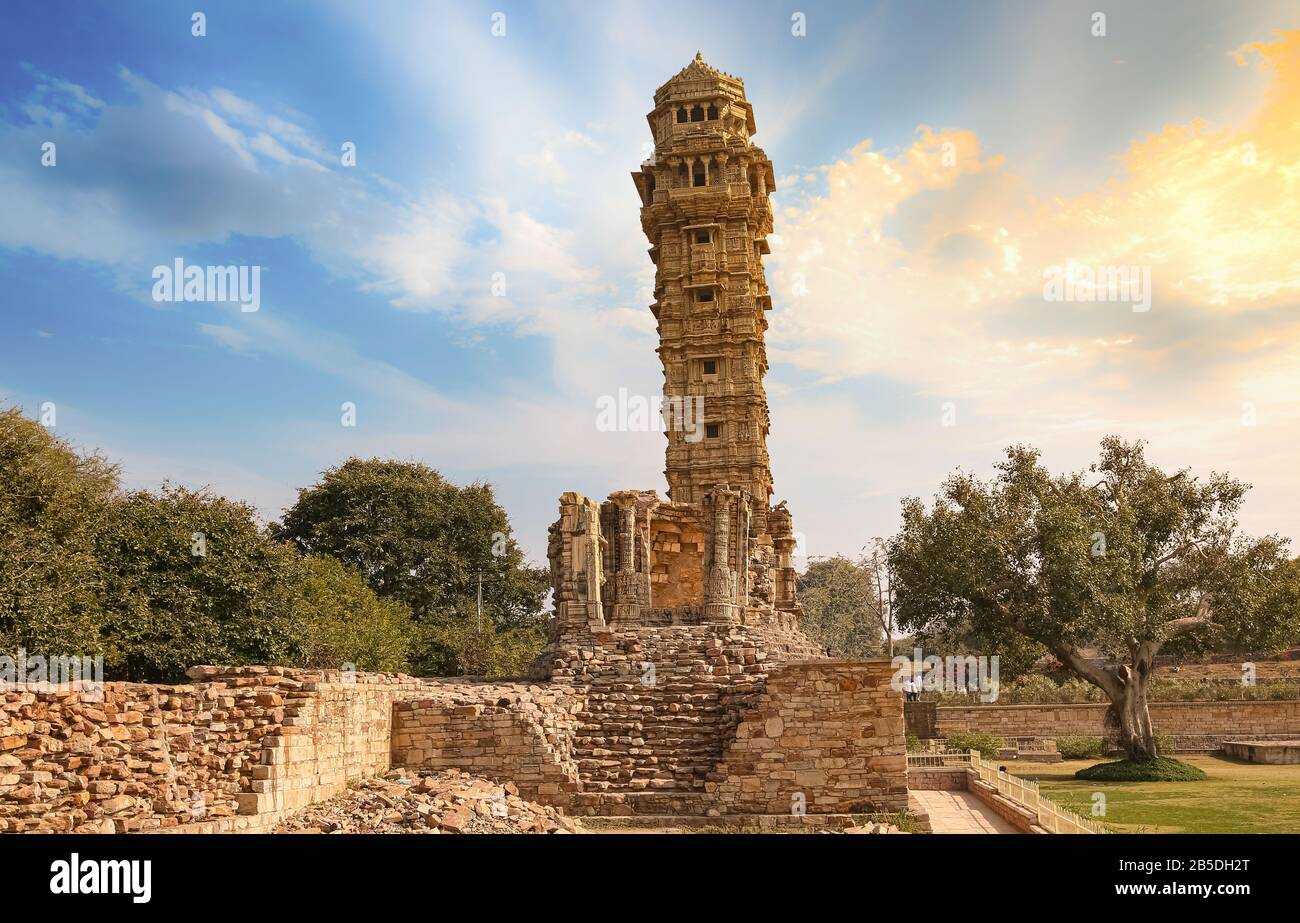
x,y
960,812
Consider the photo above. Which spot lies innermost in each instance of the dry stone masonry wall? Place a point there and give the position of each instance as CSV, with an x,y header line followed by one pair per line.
x,y
240,743
826,737
242,749
1195,721
505,732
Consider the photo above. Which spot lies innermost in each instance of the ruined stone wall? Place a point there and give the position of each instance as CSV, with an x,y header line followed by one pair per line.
x,y
241,745
677,562
505,732
825,736
1200,720
624,563
335,728
643,721
134,760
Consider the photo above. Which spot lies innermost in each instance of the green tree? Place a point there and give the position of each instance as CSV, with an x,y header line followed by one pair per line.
x,y
1018,655
840,607
190,578
1121,556
53,501
341,620
420,539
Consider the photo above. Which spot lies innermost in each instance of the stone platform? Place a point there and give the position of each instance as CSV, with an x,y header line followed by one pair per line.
x,y
1273,752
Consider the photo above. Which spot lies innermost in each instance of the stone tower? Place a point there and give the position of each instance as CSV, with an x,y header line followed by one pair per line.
x,y
716,552
707,216
677,623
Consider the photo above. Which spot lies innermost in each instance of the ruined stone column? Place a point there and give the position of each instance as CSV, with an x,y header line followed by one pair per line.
x,y
575,552
742,556
627,590
645,508
719,589
783,540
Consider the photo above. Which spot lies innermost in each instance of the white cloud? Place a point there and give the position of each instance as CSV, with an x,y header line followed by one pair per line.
x,y
929,275
235,340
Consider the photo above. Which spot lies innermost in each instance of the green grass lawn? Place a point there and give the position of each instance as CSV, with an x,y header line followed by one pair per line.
x,y
1237,797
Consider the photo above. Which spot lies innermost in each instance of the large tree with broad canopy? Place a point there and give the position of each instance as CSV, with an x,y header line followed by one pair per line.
x,y
1121,557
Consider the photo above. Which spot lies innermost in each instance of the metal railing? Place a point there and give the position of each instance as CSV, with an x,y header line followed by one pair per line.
x,y
940,759
1051,816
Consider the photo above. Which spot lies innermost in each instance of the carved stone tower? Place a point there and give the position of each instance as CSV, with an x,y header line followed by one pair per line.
x,y
717,553
707,216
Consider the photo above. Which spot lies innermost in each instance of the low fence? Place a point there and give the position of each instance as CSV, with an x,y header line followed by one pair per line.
x,y
1051,817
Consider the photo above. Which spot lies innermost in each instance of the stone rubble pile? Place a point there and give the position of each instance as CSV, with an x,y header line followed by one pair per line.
x,y
874,828
415,801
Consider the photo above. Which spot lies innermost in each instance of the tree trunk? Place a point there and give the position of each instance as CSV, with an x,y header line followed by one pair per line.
x,y
1136,736
1126,687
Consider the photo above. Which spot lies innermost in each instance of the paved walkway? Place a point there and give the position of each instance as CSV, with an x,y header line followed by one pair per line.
x,y
960,812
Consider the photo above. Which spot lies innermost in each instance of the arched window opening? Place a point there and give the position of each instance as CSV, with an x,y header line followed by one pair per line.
x,y
697,114
713,113
700,174
683,175
681,115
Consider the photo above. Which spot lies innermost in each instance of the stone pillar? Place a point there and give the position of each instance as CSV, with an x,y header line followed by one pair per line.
x,y
575,552
742,549
645,509
627,589
783,541
721,159
719,588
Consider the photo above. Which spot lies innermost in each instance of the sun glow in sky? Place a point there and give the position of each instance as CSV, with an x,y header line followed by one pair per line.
x,y
934,162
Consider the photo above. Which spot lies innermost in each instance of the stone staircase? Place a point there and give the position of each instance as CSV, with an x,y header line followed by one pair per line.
x,y
666,737
666,731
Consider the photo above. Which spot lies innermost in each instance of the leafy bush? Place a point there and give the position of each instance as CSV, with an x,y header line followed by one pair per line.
x,y
1035,687
1079,690
466,645
1165,743
341,620
1032,689
1161,769
1039,689
1073,747
913,743
986,744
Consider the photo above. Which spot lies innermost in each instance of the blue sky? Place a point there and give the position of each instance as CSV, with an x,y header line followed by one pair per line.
x,y
480,154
